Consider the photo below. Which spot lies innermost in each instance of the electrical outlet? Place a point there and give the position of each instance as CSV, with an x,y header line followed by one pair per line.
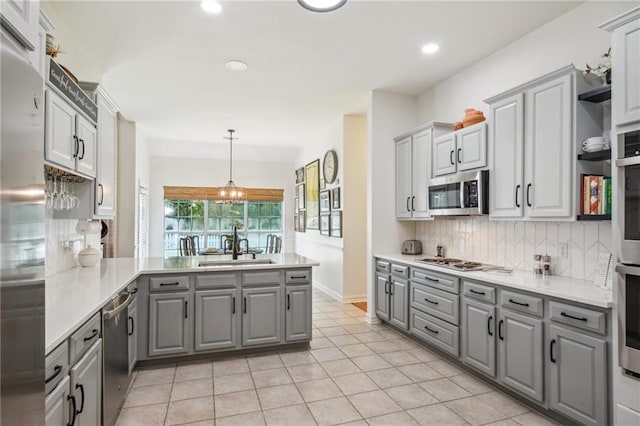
x,y
564,249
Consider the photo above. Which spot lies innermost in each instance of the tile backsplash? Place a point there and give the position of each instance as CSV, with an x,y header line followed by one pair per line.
x,y
63,244
513,244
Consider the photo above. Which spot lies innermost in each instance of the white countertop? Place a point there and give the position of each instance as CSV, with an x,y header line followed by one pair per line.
x,y
570,289
73,296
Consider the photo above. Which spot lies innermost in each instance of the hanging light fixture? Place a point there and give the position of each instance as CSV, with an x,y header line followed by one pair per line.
x,y
231,193
322,5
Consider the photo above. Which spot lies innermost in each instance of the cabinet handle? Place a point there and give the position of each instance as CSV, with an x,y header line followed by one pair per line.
x,y
435,280
517,190
233,306
132,326
73,410
101,194
515,302
500,336
186,309
288,303
413,199
528,191
298,277
56,372
481,293
551,346
93,335
390,289
564,314
164,284
451,158
408,198
386,289
81,409
400,271
489,325
431,330
459,155
81,156
244,302
134,291
76,146
431,301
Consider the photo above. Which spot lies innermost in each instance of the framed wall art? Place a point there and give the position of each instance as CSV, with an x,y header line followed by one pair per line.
x,y
325,201
335,198
300,175
325,223
301,221
296,223
336,224
312,194
300,196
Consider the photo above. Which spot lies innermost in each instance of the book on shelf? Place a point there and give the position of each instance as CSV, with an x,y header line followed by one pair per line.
x,y
595,195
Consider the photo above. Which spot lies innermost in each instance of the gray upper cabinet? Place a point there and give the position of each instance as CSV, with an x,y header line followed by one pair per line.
x,y
86,387
461,150
132,327
382,296
578,375
478,336
261,316
168,323
403,178
444,154
57,405
399,292
216,319
298,313
520,346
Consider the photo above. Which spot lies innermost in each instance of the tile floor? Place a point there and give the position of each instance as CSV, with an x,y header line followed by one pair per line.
x,y
353,373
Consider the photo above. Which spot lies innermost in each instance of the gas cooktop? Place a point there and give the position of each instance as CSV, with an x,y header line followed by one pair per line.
x,y
460,264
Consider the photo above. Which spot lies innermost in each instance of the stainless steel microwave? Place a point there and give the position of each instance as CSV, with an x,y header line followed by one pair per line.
x,y
460,194
629,318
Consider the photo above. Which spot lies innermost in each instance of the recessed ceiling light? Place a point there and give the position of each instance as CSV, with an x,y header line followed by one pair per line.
x,y
322,5
211,6
430,48
236,66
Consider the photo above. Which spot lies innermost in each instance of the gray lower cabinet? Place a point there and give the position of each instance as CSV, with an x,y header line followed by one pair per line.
x,y
399,292
132,330
261,315
216,319
298,313
58,405
478,336
578,375
168,323
86,387
520,348
382,296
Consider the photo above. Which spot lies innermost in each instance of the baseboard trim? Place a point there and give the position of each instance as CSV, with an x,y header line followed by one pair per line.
x,y
339,297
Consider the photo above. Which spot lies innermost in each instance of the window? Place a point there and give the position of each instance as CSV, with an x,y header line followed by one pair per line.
x,y
212,222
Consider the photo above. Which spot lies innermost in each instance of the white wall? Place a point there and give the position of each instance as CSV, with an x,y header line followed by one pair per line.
x,y
127,188
165,171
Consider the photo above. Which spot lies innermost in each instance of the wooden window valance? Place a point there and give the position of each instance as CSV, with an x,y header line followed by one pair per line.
x,y
206,193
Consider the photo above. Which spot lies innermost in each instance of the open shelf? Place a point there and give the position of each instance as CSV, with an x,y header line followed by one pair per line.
x,y
593,217
595,156
596,96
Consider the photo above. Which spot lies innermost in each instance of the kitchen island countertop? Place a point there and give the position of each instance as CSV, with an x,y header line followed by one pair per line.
x,y
73,296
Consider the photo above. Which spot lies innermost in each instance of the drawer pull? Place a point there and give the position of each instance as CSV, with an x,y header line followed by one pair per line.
x,y
435,280
481,293
518,303
93,335
400,271
164,284
56,372
431,301
566,315
431,330
298,277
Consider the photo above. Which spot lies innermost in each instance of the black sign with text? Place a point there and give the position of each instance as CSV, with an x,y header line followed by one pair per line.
x,y
61,81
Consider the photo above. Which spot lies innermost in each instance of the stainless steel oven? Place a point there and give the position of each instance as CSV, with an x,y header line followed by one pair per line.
x,y
629,318
629,199
459,194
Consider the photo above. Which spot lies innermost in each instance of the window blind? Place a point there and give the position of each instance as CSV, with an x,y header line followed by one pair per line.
x,y
207,193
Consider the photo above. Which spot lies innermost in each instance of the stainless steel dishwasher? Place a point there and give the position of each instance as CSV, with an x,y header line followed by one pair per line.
x,y
115,332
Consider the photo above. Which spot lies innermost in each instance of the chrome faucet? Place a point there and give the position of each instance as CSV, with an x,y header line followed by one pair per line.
x,y
234,250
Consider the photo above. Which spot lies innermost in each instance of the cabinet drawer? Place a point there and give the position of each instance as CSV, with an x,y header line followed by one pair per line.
x,y
578,317
383,266
435,302
56,366
215,281
479,291
295,277
437,332
523,303
81,340
168,283
434,279
261,278
400,271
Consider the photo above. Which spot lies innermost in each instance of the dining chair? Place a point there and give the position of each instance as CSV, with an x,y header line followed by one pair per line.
x,y
278,246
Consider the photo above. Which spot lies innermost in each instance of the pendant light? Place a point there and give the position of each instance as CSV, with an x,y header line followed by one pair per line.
x,y
322,5
231,193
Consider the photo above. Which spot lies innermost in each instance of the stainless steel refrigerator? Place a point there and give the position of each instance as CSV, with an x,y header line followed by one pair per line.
x,y
22,240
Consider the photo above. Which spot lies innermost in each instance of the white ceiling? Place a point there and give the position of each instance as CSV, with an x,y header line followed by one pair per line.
x,y
164,62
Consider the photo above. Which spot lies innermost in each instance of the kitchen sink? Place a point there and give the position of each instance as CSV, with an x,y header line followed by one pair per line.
x,y
228,262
